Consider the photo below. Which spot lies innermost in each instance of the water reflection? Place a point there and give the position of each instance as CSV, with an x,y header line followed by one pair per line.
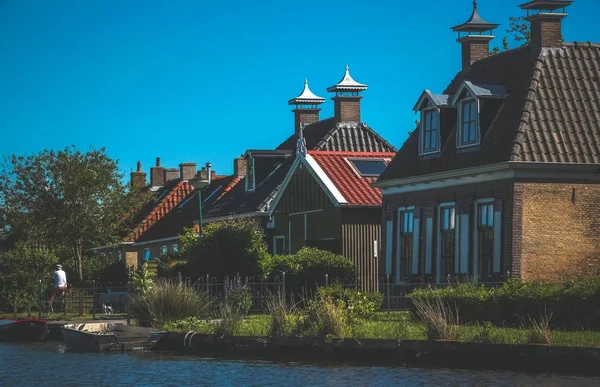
x,y
50,365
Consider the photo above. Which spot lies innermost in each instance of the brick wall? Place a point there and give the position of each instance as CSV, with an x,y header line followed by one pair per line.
x,y
239,167
473,50
187,171
171,174
561,230
138,180
546,31
303,117
347,108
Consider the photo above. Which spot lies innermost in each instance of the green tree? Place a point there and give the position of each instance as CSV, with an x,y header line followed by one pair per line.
x,y
66,200
25,270
518,30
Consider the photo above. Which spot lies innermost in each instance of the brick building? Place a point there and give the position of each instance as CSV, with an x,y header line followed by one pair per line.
x,y
502,176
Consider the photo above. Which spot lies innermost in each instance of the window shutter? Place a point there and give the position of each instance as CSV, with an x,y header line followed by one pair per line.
x,y
415,252
497,235
438,244
457,228
398,246
389,240
428,242
464,243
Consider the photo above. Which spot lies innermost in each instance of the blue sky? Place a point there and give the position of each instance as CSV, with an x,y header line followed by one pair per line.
x,y
205,80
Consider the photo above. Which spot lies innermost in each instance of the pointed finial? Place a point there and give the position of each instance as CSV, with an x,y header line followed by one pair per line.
x,y
301,143
139,166
305,81
475,4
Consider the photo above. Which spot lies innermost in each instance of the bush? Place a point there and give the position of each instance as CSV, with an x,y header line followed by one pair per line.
x,y
281,315
439,317
359,304
326,318
240,298
169,300
573,304
230,247
230,319
306,269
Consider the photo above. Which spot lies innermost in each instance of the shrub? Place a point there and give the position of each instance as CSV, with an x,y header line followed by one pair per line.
x,y
240,298
573,304
234,246
169,300
325,318
306,269
359,304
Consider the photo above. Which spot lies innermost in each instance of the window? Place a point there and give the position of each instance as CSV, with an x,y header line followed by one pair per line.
x,y
429,131
485,242
163,250
279,245
406,244
146,255
369,167
175,248
448,229
120,255
250,178
468,123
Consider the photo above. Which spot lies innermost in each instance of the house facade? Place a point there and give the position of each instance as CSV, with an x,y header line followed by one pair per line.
x,y
502,176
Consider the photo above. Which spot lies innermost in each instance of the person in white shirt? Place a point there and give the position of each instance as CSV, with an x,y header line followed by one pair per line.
x,y
59,283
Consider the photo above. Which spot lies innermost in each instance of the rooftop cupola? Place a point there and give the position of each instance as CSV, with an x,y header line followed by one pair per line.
x,y
347,98
546,21
476,42
306,109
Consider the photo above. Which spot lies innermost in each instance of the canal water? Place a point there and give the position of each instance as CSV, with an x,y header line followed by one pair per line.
x,y
47,364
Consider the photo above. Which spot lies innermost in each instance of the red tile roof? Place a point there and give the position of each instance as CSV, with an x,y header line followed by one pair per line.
x,y
166,204
357,190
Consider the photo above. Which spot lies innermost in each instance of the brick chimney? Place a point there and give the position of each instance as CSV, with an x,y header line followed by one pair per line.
x,y
157,175
546,24
187,170
239,167
347,99
476,43
138,178
171,174
306,111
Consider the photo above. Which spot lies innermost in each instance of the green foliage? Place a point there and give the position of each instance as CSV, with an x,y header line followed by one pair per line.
x,y
141,281
281,314
67,199
359,304
230,247
187,324
25,274
306,269
240,298
230,321
518,30
325,318
573,304
169,300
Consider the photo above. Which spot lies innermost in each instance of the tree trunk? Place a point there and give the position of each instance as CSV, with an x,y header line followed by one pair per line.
x,y
79,262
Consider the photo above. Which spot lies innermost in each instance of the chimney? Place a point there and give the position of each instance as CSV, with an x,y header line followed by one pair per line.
x,y
209,172
476,44
187,170
347,98
157,175
138,178
202,173
171,174
239,167
546,24
306,109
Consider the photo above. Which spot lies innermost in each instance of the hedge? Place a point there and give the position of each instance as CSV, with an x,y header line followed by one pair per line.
x,y
573,304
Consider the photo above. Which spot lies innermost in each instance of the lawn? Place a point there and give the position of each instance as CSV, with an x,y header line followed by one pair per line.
x,y
401,326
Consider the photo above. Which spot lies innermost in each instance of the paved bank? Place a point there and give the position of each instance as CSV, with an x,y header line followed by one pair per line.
x,y
515,357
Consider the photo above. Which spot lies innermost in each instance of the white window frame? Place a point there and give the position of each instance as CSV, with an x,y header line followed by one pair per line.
x,y
250,166
438,237
275,238
459,127
422,150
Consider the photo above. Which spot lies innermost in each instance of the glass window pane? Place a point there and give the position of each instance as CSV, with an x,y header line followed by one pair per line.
x,y
434,139
482,215
490,215
473,109
452,217
369,167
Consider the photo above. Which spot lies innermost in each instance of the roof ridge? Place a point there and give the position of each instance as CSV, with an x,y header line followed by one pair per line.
x,y
349,153
532,88
577,44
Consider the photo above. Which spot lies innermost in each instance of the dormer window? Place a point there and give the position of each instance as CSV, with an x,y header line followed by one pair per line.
x,y
430,123
468,123
250,176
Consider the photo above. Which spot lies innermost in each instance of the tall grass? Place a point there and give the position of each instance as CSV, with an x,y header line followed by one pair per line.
x,y
230,320
325,317
539,328
169,300
440,318
281,314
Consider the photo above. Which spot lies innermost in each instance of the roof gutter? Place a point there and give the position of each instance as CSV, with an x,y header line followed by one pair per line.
x,y
155,241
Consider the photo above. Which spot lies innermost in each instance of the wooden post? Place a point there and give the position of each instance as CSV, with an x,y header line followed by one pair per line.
x,y
81,303
15,306
93,299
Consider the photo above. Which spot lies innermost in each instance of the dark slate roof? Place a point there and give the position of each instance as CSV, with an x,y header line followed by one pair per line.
x,y
329,135
551,113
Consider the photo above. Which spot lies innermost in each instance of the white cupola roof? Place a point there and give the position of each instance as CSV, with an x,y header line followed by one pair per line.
x,y
307,97
347,84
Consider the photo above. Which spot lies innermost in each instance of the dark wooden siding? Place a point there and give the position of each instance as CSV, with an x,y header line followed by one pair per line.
x,y
320,226
361,227
303,194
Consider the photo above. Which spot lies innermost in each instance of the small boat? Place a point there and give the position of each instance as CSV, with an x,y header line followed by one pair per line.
x,y
98,337
27,329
